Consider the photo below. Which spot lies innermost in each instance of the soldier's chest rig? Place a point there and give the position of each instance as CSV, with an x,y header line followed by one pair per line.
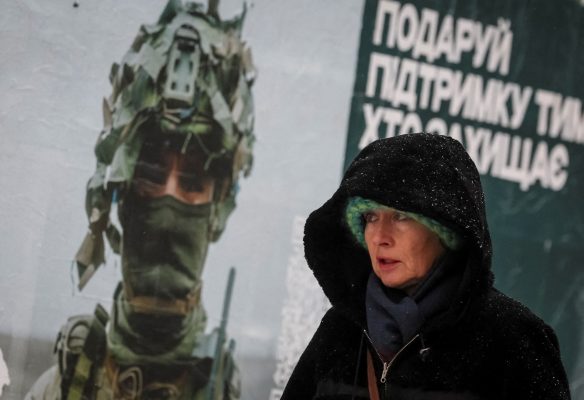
x,y
88,372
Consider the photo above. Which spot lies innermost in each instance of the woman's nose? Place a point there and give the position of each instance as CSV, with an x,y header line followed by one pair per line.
x,y
383,233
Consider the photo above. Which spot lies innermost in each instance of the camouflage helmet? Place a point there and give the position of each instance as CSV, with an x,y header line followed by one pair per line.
x,y
189,74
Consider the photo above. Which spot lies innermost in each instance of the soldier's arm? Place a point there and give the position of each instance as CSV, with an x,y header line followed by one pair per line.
x,y
47,386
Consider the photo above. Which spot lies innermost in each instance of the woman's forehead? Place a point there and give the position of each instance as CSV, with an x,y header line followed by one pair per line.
x,y
379,208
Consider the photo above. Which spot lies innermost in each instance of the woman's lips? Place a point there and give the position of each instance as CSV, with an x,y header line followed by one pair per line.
x,y
386,263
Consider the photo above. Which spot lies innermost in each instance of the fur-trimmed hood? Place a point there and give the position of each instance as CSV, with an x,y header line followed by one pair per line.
x,y
421,173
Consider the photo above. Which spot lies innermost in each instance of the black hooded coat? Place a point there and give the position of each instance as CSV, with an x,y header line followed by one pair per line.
x,y
484,346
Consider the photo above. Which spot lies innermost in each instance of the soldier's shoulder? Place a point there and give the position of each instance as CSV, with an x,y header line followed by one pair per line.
x,y
47,386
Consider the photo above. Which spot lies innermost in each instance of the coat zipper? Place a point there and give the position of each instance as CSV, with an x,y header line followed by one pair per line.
x,y
387,365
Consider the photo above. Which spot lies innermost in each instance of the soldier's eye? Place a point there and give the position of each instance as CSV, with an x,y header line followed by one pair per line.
x,y
191,183
152,172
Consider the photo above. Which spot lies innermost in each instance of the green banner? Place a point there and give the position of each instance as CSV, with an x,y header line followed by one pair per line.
x,y
503,78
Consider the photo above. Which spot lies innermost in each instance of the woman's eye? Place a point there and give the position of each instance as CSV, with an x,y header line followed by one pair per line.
x,y
400,216
369,217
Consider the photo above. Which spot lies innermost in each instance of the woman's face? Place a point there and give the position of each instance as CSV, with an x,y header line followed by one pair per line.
x,y
402,250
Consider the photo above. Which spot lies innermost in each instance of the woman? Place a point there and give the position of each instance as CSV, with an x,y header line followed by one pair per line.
x,y
403,252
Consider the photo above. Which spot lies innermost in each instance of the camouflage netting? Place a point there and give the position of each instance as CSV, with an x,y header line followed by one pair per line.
x,y
189,74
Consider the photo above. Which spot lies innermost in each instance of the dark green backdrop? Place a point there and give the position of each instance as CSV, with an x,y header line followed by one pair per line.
x,y
538,233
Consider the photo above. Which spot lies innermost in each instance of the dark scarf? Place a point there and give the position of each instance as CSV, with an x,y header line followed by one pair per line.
x,y
393,317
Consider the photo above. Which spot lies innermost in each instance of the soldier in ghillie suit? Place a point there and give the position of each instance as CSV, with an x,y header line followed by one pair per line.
x,y
177,136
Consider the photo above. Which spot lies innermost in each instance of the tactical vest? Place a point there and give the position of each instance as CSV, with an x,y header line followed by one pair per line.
x,y
85,369
81,350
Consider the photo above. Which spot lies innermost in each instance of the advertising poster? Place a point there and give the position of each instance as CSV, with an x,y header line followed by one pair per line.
x,y
276,76
159,158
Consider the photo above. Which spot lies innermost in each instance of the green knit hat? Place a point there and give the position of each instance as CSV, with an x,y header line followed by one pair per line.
x,y
357,206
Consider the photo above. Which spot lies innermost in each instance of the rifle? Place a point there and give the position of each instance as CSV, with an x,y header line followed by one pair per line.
x,y
222,367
